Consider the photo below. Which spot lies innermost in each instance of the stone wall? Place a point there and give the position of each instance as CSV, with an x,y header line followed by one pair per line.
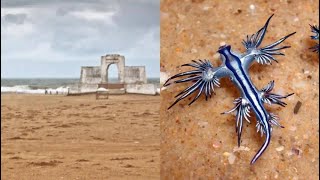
x,y
90,74
86,88
135,75
149,89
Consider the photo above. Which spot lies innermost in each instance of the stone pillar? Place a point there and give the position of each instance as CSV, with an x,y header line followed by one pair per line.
x,y
143,75
104,68
121,65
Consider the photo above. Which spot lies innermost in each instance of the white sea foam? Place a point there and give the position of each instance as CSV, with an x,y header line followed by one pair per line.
x,y
25,89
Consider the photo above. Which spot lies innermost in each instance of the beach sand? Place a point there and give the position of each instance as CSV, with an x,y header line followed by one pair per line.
x,y
78,137
197,142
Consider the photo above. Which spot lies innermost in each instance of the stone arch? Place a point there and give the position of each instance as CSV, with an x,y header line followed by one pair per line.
x,y
106,61
113,66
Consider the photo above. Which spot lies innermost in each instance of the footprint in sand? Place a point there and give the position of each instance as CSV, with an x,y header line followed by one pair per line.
x,y
129,166
120,159
50,163
15,157
97,138
15,138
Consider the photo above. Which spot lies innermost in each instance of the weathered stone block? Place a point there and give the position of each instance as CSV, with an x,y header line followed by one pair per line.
x,y
149,89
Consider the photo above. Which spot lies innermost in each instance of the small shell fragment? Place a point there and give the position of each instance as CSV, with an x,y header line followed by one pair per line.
x,y
215,145
280,148
226,154
231,158
241,148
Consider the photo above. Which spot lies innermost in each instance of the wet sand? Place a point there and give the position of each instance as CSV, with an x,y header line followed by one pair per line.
x,y
197,142
78,137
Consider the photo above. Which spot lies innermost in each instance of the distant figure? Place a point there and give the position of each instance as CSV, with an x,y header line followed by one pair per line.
x,y
45,91
56,92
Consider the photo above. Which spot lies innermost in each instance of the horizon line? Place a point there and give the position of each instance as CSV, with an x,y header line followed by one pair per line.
x,y
53,77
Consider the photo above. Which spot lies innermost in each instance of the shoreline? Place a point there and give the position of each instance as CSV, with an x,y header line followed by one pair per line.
x,y
74,94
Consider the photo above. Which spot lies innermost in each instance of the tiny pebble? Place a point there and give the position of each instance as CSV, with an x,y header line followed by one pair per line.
x,y
296,151
226,154
203,124
214,145
222,43
289,153
297,107
231,158
206,8
241,148
280,148
296,19
252,7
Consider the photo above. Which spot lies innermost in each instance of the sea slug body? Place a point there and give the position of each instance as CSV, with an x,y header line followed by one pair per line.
x,y
315,29
235,66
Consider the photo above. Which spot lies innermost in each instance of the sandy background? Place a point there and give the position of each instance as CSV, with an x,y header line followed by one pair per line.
x,y
77,137
199,143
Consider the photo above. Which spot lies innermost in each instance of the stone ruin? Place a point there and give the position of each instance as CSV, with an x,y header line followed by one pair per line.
x,y
132,79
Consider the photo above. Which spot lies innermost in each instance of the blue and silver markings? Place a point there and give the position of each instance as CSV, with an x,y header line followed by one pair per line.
x,y
235,66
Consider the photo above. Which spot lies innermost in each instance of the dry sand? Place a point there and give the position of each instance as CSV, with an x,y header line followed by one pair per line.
x,y
197,142
78,137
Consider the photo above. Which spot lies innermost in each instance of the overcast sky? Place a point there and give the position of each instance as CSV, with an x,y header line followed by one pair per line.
x,y
54,38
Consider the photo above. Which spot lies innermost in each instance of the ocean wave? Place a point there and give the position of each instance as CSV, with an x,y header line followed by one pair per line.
x,y
26,89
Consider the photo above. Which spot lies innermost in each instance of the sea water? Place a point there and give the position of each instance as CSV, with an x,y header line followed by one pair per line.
x,y
48,85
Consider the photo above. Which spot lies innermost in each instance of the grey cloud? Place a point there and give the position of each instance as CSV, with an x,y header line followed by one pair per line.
x,y
138,15
53,27
15,18
24,3
62,11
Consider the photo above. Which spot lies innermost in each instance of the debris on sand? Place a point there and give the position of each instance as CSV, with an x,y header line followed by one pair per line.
x,y
280,148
